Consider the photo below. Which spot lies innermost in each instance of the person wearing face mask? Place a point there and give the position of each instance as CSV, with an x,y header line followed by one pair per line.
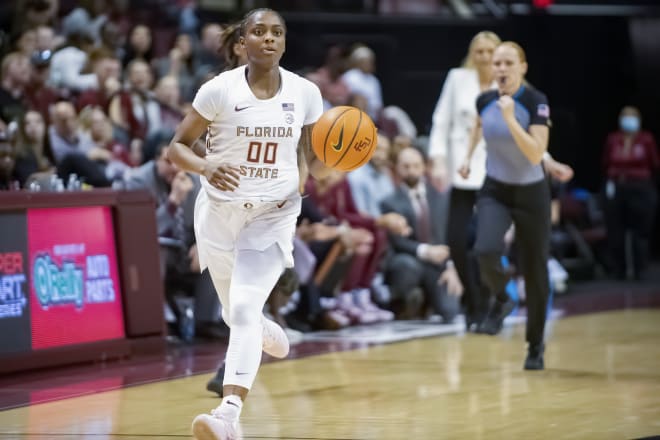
x,y
421,259
630,162
514,121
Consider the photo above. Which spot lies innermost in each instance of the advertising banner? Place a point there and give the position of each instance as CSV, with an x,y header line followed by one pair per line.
x,y
14,291
74,284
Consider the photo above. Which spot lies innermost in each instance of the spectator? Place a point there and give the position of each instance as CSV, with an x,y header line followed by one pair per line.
x,y
7,162
168,96
422,258
47,39
114,155
39,95
373,182
73,149
26,42
334,89
33,153
16,71
174,192
630,161
107,70
208,54
139,45
68,63
361,80
180,64
112,39
333,197
33,13
134,109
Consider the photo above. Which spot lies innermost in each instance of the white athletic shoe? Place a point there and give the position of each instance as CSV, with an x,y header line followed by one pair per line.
x,y
215,427
275,341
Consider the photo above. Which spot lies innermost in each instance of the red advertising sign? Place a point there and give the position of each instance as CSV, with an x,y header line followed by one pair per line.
x,y
74,291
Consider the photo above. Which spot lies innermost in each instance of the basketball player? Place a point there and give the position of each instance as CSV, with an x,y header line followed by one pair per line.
x,y
258,120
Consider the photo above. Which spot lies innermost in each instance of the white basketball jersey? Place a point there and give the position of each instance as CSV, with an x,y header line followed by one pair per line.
x,y
258,136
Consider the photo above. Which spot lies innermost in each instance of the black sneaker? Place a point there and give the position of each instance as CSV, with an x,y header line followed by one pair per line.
x,y
473,321
493,322
215,384
534,360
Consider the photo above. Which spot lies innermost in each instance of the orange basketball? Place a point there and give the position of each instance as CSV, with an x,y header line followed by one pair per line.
x,y
344,138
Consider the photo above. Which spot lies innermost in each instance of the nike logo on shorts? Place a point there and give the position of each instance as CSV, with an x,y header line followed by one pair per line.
x,y
241,374
240,109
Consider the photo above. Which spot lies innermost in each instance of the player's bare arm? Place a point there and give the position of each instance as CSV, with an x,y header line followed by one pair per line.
x,y
222,176
316,168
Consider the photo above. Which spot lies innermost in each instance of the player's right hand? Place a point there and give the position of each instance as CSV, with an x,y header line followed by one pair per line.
x,y
222,176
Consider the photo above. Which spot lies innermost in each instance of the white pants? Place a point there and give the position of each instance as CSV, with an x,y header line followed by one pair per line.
x,y
246,246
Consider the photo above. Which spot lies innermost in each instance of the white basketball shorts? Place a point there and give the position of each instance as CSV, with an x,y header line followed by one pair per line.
x,y
222,227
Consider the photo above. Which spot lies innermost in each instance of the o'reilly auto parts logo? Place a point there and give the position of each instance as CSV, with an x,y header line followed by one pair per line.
x,y
55,285
71,283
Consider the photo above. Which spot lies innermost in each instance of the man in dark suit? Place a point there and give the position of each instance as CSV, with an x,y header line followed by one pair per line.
x,y
421,260
174,192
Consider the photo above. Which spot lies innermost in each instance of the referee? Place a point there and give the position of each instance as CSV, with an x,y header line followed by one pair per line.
x,y
514,121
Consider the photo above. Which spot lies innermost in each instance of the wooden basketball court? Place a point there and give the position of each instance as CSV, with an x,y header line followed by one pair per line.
x,y
602,381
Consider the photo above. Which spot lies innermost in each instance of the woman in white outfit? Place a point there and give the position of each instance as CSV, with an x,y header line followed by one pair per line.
x,y
453,120
258,119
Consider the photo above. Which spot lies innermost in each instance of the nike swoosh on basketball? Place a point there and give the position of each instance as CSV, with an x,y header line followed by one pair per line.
x,y
340,142
238,109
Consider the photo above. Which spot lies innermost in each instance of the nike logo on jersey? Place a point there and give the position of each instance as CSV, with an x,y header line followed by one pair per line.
x,y
240,109
340,142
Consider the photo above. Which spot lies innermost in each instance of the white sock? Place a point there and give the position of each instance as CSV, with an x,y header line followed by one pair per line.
x,y
275,341
230,408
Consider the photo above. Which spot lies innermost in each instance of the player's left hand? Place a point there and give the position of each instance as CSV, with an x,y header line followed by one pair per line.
x,y
506,105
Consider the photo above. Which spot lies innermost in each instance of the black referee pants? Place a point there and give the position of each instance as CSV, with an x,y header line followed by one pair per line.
x,y
528,207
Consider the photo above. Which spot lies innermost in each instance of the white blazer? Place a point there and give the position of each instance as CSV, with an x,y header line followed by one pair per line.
x,y
453,119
